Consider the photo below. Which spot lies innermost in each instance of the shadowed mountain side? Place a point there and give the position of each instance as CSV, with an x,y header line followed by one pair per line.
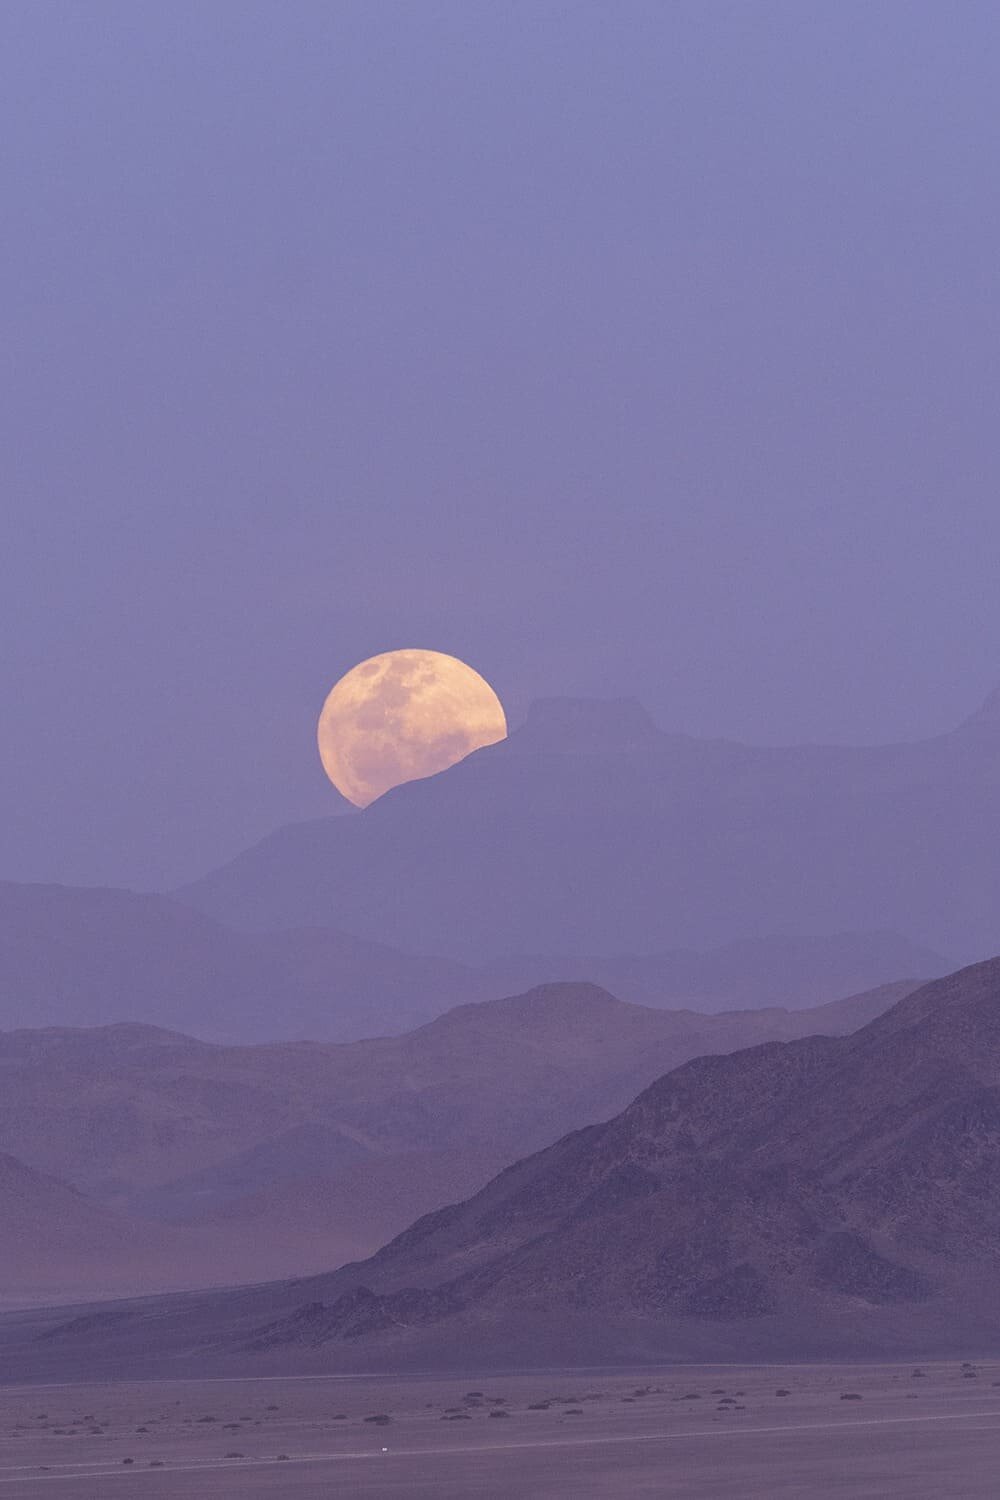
x,y
287,1158
807,1180
85,957
827,1194
590,830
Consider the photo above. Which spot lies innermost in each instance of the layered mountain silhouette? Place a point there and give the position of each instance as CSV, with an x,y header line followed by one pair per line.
x,y
289,1158
825,1194
809,1191
73,956
590,830
754,972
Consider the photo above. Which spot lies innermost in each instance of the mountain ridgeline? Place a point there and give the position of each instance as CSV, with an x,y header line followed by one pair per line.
x,y
812,1195
589,830
289,1158
74,956
827,1195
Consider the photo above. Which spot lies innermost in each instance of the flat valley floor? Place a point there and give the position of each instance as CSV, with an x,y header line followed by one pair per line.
x,y
701,1432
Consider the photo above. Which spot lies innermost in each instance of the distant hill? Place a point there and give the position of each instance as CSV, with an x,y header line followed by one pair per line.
x,y
589,831
72,956
794,972
803,1199
287,1158
54,1241
75,956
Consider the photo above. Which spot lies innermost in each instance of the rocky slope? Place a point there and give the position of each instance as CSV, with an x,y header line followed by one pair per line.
x,y
291,1158
796,1199
823,1184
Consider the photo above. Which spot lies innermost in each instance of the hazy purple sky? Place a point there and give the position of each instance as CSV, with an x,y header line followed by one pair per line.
x,y
616,348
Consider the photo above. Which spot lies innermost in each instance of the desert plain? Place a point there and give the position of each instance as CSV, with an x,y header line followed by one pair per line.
x,y
707,1432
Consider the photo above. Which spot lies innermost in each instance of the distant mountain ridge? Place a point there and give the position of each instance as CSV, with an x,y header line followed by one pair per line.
x,y
590,830
74,956
752,973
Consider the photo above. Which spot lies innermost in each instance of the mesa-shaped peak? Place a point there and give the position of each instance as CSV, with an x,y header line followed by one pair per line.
x,y
988,715
588,724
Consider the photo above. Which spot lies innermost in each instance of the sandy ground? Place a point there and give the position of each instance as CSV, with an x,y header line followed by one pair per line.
x,y
704,1433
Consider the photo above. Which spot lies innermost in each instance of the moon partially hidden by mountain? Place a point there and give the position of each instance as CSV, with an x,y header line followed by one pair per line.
x,y
403,715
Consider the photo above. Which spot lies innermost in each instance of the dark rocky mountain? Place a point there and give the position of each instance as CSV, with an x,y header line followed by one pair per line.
x,y
592,831
72,956
814,1192
288,1158
803,1198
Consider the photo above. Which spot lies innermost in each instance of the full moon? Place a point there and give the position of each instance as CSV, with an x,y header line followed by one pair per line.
x,y
403,715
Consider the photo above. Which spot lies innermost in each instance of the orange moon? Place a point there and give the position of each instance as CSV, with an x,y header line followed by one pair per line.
x,y
404,715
